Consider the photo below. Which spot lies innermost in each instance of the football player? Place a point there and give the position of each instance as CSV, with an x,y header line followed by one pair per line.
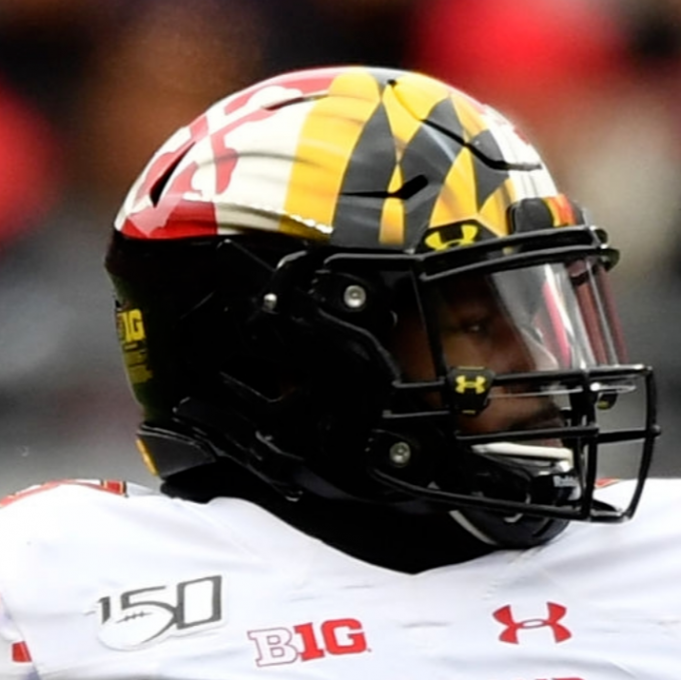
x,y
380,372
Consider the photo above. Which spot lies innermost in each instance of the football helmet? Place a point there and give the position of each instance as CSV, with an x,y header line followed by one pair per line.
x,y
362,284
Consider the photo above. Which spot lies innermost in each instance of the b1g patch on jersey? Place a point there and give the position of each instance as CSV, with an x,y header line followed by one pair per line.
x,y
308,641
142,616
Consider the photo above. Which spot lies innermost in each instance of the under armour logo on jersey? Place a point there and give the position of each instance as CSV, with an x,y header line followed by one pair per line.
x,y
556,613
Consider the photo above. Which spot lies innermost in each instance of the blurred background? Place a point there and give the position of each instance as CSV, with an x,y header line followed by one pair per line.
x,y
89,90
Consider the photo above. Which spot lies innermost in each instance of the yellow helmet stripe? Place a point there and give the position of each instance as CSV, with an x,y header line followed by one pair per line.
x,y
419,94
318,171
456,201
391,229
494,213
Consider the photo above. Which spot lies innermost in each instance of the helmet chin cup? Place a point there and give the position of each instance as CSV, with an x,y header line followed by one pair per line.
x,y
509,483
510,489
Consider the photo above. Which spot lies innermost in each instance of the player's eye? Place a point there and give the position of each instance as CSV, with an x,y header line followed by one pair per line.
x,y
474,325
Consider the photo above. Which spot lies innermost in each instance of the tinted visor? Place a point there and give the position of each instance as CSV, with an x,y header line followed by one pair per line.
x,y
546,317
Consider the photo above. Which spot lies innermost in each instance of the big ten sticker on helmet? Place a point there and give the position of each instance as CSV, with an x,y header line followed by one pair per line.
x,y
140,616
308,641
132,337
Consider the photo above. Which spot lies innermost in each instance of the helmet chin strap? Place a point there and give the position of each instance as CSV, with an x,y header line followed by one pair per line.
x,y
473,529
530,531
493,529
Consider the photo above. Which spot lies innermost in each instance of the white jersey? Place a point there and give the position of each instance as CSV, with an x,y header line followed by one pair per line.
x,y
111,583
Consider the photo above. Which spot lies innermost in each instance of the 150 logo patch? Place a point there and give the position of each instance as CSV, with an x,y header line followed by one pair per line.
x,y
140,616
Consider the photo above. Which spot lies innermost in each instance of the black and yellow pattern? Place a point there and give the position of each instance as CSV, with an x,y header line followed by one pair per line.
x,y
387,155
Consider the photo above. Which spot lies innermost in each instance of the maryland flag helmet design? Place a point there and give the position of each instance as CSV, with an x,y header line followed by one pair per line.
x,y
353,156
287,268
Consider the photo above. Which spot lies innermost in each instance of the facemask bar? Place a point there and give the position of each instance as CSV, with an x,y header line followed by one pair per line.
x,y
581,441
406,411
583,372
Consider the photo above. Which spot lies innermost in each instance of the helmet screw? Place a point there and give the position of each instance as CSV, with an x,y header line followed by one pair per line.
x,y
269,302
400,454
354,297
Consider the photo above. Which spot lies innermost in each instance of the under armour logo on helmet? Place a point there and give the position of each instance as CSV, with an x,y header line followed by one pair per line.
x,y
477,384
471,387
451,236
556,612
